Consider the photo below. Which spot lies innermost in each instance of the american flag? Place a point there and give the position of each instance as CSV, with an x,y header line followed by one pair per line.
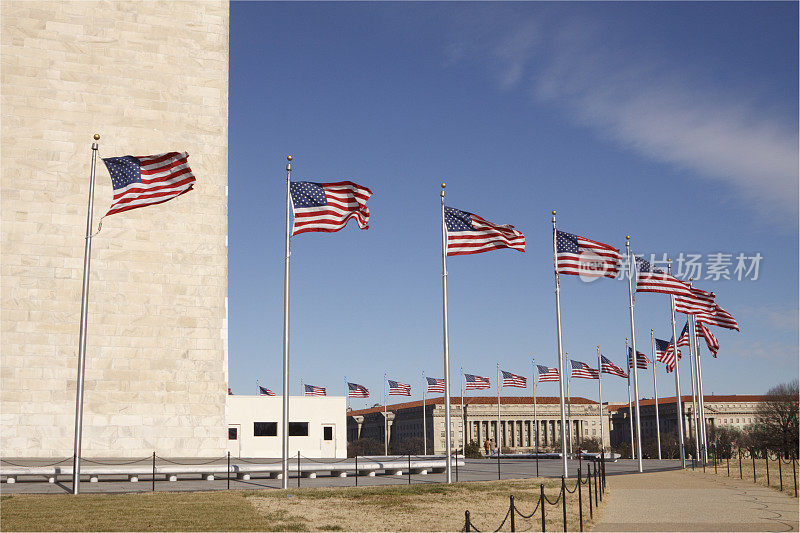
x,y
711,340
513,380
354,390
607,367
263,391
665,353
700,301
328,206
435,384
683,340
311,390
641,359
140,181
476,382
719,317
399,389
651,279
547,374
584,257
470,234
582,370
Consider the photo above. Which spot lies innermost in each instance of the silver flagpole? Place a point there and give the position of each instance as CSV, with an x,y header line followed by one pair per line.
x,y
535,421
677,374
302,388
87,256
655,391
600,396
569,405
631,272
288,251
700,397
258,389
424,418
630,408
560,353
694,395
447,431
500,435
462,411
385,419
346,395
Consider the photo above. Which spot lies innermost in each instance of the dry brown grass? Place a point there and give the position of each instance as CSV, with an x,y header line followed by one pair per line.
x,y
775,472
428,507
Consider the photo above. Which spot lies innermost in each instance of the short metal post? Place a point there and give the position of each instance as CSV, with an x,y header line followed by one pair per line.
x,y
564,501
580,499
753,455
154,471
298,469
780,469
596,488
740,464
542,502
409,468
229,470
513,512
766,460
589,484
794,474
498,462
356,470
456,467
602,482
466,520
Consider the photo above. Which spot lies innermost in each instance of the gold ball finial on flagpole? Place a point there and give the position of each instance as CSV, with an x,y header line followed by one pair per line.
x,y
288,158
691,279
627,237
444,185
96,136
554,212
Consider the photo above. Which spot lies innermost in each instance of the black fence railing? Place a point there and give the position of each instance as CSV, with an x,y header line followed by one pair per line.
x,y
594,477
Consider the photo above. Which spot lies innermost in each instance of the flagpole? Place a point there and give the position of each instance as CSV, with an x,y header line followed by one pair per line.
x,y
600,396
631,271
385,419
655,391
694,396
285,422
535,420
560,353
424,419
677,373
462,410
700,399
630,409
302,388
446,342
569,405
346,395
258,390
500,435
87,256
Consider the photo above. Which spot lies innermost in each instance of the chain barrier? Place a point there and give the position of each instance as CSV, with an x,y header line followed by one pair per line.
x,y
259,462
50,464
532,512
223,458
560,493
116,464
320,461
573,490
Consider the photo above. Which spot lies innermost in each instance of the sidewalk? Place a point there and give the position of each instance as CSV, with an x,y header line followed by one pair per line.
x,y
693,501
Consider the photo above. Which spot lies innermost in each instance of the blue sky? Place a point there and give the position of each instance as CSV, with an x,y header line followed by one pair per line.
x,y
675,123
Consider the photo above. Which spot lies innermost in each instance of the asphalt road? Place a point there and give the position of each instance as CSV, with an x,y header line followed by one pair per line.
x,y
475,470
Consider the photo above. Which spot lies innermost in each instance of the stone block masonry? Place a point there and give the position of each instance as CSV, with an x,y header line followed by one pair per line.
x,y
149,77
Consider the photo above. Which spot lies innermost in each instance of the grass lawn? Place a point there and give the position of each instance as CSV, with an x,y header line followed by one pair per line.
x,y
428,507
776,472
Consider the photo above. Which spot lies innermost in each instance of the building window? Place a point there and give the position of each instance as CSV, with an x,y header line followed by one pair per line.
x,y
298,429
327,433
232,434
265,429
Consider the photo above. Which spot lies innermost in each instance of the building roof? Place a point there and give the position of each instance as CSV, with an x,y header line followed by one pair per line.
x,y
475,400
708,398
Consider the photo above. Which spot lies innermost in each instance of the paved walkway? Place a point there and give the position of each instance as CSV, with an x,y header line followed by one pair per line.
x,y
693,501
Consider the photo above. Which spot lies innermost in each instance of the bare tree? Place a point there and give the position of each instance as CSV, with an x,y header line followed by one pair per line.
x,y
776,424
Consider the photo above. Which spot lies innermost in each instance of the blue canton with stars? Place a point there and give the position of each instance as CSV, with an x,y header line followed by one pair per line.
x,y
645,266
457,220
123,170
307,194
567,242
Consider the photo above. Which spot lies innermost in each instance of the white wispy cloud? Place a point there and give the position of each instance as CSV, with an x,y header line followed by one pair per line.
x,y
666,113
